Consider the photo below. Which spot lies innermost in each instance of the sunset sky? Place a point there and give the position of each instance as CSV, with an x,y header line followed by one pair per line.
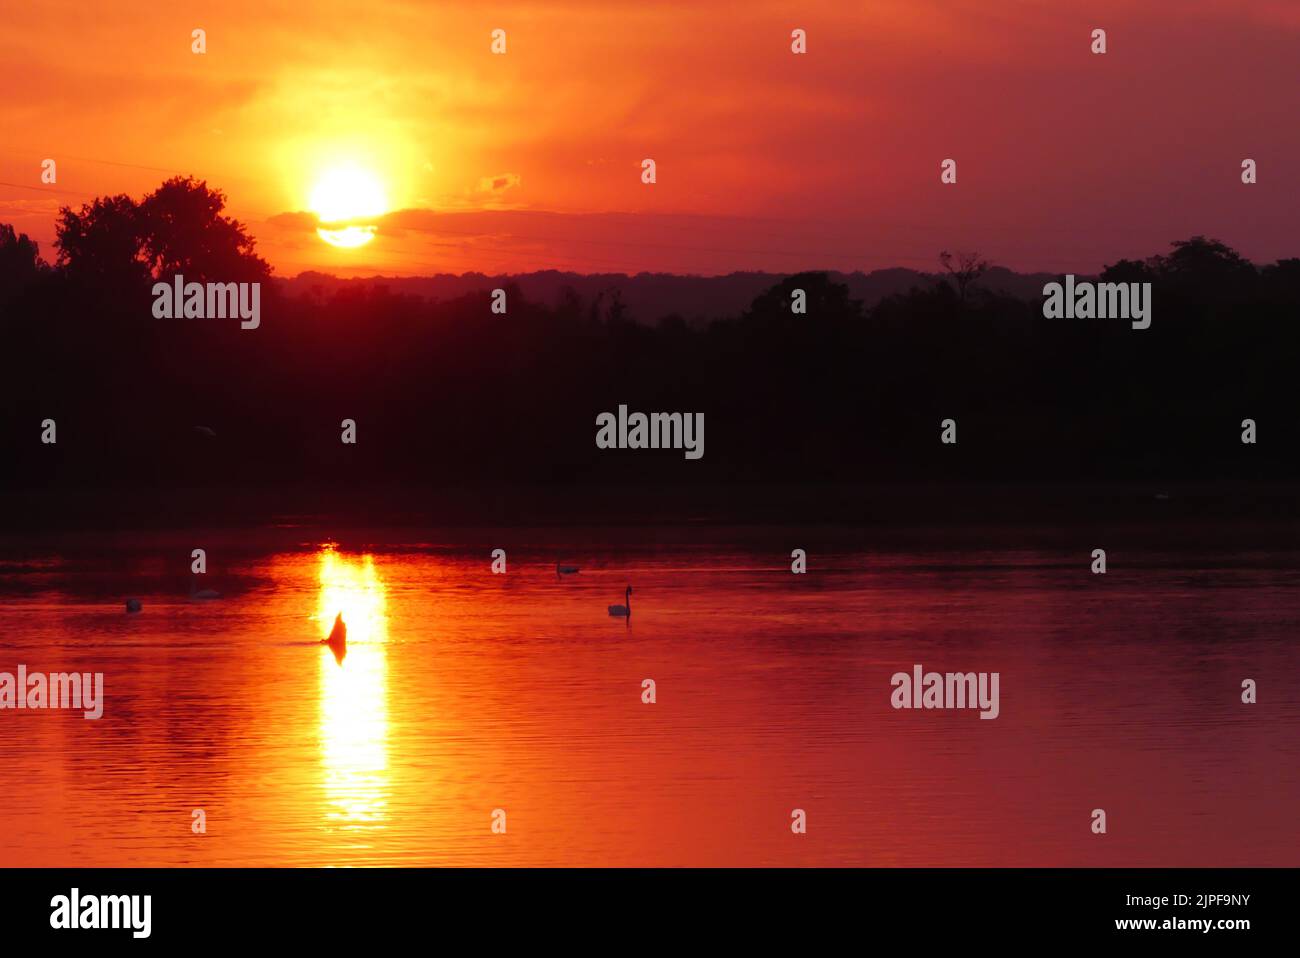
x,y
766,160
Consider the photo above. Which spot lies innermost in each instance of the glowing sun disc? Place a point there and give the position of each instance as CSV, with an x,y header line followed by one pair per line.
x,y
347,193
349,237
343,196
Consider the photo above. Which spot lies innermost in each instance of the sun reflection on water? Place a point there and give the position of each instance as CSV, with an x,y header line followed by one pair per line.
x,y
353,694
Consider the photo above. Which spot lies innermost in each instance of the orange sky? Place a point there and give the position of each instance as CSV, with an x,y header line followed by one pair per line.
x,y
766,160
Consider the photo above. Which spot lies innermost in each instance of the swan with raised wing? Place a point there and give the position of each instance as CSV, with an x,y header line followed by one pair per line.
x,y
338,640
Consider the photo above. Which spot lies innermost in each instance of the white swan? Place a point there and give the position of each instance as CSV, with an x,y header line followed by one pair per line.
x,y
623,611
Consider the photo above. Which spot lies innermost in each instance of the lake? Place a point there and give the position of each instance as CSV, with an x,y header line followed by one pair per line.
x,y
463,692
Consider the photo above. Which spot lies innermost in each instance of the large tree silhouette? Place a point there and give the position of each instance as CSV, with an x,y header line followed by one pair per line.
x,y
178,228
181,230
100,244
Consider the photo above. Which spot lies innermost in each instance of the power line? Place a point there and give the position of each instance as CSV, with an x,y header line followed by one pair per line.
x,y
46,189
90,159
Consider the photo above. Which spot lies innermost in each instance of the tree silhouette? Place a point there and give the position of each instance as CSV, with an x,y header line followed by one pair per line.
x,y
965,269
99,244
842,393
1206,270
1207,259
825,299
178,228
181,230
1129,271
21,265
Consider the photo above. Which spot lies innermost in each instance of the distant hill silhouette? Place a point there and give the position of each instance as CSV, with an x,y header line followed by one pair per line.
x,y
649,297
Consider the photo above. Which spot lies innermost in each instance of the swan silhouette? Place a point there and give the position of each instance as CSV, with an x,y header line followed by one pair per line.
x,y
565,569
202,593
623,611
338,640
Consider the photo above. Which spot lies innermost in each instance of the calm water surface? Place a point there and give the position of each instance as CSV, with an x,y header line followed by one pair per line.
x,y
464,692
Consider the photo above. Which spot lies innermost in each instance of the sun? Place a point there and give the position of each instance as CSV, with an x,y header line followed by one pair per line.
x,y
349,237
341,197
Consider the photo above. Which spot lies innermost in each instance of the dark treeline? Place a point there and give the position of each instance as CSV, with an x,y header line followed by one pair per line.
x,y
450,393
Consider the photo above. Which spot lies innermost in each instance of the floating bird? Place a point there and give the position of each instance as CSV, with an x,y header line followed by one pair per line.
x,y
203,593
338,640
623,611
206,431
565,569
134,605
